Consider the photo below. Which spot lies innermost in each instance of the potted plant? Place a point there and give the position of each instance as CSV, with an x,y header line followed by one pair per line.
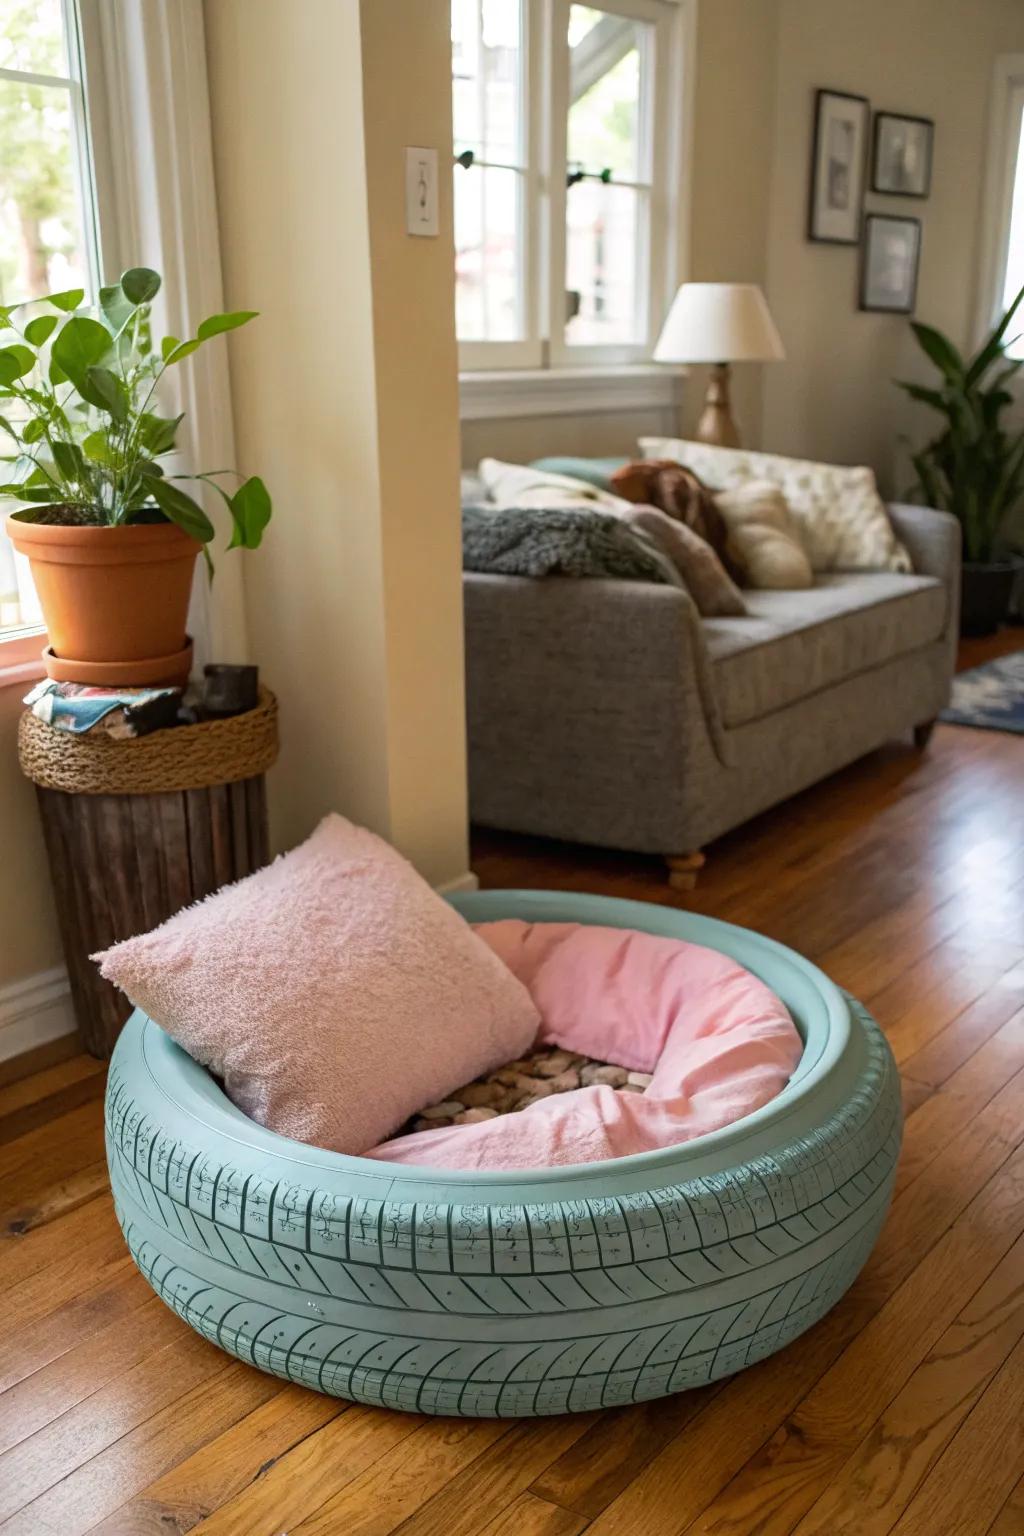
x,y
111,535
974,466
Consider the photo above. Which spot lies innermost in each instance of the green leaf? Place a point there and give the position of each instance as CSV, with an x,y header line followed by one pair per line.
x,y
115,308
68,301
216,324
181,350
110,390
68,459
11,431
168,345
180,508
157,433
140,284
251,509
96,448
15,362
35,428
993,346
80,344
939,350
932,397
28,492
40,329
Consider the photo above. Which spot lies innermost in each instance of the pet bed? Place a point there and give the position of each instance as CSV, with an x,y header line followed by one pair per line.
x,y
517,1293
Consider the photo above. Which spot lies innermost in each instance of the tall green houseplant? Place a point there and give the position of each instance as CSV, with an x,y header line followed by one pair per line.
x,y
974,466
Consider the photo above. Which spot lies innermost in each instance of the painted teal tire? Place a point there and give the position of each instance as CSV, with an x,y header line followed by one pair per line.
x,y
521,1293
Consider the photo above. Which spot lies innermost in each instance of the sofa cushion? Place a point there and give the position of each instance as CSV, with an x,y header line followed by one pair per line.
x,y
792,644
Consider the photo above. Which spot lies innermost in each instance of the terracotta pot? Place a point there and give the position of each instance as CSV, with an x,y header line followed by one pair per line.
x,y
153,672
110,594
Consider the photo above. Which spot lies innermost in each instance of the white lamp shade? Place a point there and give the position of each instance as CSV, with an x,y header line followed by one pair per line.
x,y
719,323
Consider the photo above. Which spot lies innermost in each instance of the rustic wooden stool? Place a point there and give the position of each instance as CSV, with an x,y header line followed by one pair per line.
x,y
137,829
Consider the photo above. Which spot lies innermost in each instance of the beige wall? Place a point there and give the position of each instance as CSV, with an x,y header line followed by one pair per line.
x,y
28,926
832,399
345,399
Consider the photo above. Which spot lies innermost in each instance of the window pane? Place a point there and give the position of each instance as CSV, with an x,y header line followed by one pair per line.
x,y
488,221
1015,251
606,54
42,244
603,231
32,36
487,103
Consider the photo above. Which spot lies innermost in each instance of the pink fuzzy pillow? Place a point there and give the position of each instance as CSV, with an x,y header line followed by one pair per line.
x,y
334,992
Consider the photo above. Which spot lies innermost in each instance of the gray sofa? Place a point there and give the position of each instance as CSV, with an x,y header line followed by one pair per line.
x,y
611,713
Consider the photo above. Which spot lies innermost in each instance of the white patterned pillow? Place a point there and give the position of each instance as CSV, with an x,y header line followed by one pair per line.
x,y
840,517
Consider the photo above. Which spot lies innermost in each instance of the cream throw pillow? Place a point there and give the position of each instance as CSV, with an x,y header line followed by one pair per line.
x,y
763,533
840,517
519,485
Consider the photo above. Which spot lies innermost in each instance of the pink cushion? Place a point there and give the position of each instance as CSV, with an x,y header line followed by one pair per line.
x,y
334,992
718,1041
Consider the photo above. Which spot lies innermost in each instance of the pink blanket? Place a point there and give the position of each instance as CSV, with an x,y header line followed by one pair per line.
x,y
718,1041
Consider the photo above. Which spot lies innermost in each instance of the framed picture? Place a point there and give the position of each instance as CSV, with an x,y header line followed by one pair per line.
x,y
837,167
888,274
901,163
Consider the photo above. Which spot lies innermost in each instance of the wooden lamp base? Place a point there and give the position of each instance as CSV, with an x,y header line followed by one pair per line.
x,y
717,424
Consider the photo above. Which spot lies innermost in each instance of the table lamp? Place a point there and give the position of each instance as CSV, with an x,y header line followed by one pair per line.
x,y
719,323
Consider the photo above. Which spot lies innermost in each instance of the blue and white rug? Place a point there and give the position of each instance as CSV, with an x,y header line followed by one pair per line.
x,y
990,697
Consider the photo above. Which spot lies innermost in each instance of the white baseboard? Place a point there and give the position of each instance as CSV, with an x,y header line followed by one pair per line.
x,y
466,882
34,1011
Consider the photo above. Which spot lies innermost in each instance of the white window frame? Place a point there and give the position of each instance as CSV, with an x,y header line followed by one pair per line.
x,y
543,354
20,645
1005,121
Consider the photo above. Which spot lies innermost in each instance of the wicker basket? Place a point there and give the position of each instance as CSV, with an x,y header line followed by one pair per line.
x,y
187,757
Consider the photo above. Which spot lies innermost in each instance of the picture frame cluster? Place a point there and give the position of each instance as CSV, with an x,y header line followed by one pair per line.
x,y
899,161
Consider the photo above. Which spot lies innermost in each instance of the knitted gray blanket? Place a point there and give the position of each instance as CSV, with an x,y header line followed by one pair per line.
x,y
535,541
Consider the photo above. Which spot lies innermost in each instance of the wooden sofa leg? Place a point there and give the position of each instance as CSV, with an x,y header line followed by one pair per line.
x,y
683,869
923,734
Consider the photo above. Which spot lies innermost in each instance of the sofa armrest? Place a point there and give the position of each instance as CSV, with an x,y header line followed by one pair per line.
x,y
932,539
583,699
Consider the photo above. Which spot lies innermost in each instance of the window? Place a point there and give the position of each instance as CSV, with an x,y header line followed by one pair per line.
x,y
48,229
1003,256
564,179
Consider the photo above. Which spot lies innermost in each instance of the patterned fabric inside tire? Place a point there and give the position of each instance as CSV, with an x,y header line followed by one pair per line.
x,y
518,1294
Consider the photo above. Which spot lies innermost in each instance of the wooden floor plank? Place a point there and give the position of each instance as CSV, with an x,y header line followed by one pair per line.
x,y
1010,1520
532,1516
595,1470
387,1494
222,1468
79,1435
301,1482
58,1331
485,1489
965,1491
99,1486
42,1085
875,1484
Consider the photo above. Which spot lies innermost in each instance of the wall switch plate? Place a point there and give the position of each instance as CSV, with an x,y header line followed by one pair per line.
x,y
421,191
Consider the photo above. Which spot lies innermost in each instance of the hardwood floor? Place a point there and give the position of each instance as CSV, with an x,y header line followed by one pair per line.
x,y
902,1412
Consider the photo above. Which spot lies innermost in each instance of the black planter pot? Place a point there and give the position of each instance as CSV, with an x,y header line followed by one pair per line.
x,y
985,593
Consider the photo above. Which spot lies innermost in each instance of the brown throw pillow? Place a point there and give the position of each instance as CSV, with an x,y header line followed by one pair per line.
x,y
678,492
706,579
